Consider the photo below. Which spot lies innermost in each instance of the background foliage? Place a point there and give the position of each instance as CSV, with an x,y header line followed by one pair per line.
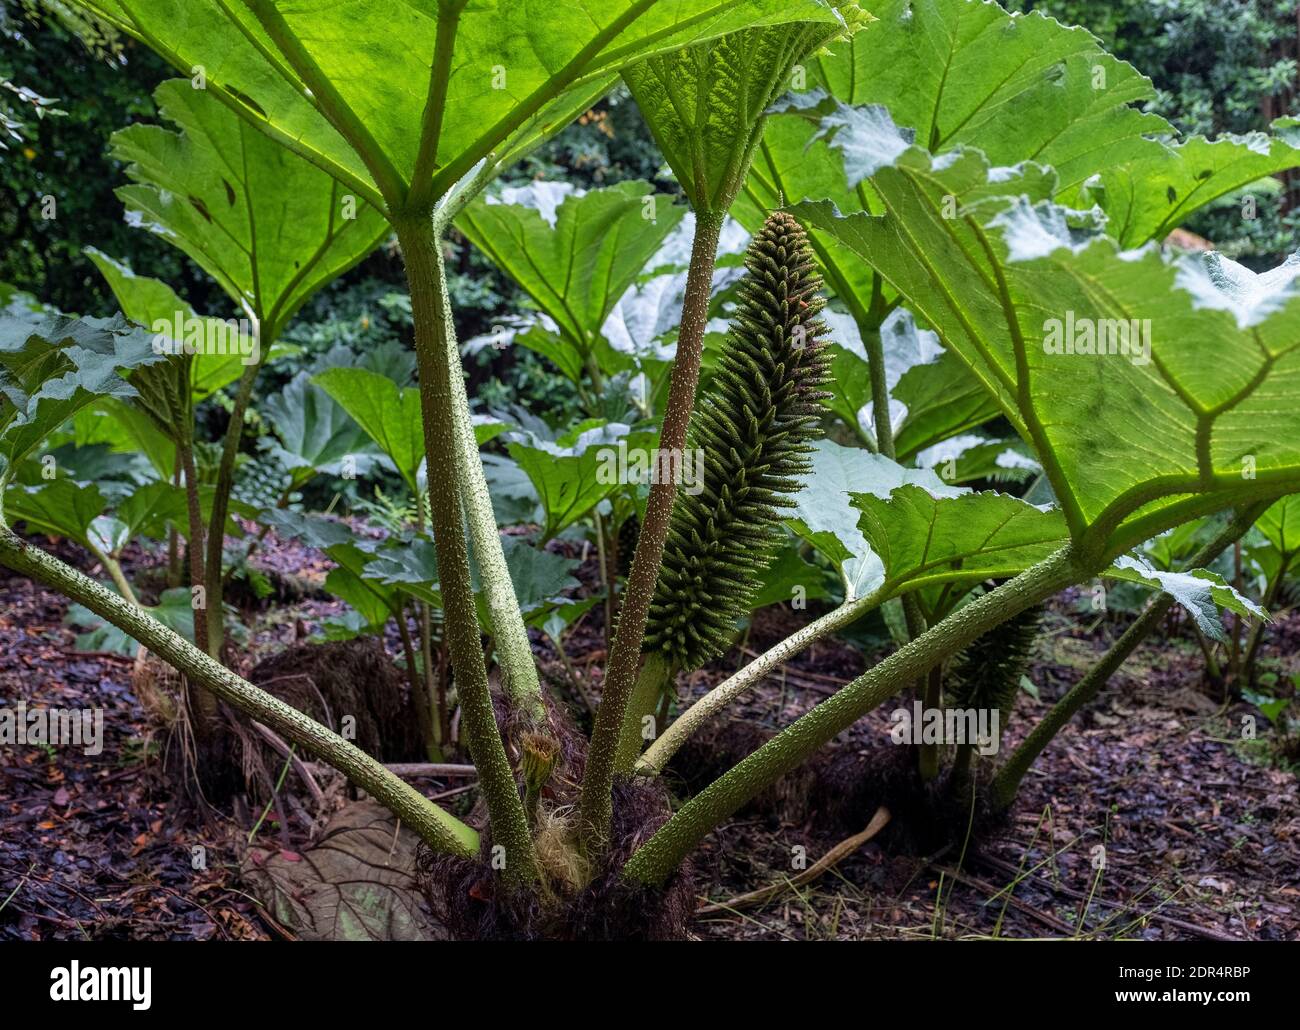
x,y
1218,65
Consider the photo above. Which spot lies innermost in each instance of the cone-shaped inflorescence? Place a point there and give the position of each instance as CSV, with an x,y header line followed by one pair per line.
x,y
987,673
753,424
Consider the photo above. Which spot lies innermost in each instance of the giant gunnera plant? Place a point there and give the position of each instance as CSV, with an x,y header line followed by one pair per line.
x,y
951,226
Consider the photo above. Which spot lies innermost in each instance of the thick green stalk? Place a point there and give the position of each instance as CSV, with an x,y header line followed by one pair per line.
x,y
440,830
421,695
662,750
651,687
931,688
214,580
879,387
1006,783
195,548
514,653
625,655
438,380
114,569
655,860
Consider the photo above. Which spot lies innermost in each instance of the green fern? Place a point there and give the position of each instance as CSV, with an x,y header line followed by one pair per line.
x,y
395,514
754,424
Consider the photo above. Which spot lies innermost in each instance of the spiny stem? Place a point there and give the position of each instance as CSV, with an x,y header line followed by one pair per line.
x,y
195,548
624,660
514,653
655,860
1006,783
438,380
441,831
214,581
689,722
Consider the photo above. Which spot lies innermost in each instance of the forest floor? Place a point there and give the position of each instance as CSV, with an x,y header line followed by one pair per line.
x,y
1147,817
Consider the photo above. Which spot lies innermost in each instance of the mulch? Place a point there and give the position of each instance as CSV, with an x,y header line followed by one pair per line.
x,y
1201,833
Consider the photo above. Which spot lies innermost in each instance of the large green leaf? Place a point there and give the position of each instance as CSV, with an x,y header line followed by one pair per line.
x,y
957,72
315,434
891,530
825,514
60,507
125,429
965,73
270,227
575,259
55,367
1201,592
411,566
1148,198
75,511
1280,524
155,305
928,541
389,414
924,539
705,104
153,508
941,399
375,601
1199,412
791,580
573,475
1026,87
387,97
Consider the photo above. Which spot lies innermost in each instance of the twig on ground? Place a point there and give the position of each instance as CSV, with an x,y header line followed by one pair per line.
x,y
832,858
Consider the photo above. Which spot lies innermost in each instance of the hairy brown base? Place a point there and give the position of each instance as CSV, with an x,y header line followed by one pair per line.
x,y
329,682
355,678
467,897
